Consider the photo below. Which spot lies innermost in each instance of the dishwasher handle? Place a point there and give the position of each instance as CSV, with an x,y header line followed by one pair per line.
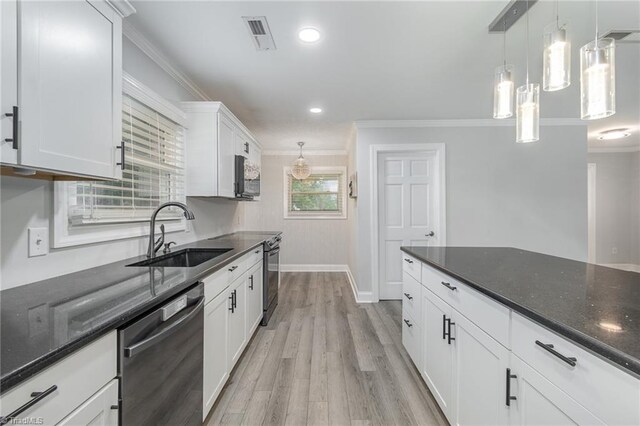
x,y
145,344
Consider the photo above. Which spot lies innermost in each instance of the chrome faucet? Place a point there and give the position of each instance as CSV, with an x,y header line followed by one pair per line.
x,y
153,245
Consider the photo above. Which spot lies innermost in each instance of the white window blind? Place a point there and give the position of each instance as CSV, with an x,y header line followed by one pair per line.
x,y
321,195
153,172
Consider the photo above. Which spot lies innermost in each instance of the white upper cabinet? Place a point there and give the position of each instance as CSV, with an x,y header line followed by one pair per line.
x,y
69,86
215,137
8,81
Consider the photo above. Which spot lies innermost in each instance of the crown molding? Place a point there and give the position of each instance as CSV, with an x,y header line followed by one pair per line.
x,y
137,38
470,122
122,7
306,152
613,149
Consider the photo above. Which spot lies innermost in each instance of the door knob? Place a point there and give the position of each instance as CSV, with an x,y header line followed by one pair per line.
x,y
430,234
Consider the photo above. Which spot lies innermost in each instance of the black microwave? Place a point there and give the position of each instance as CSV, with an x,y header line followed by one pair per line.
x,y
247,178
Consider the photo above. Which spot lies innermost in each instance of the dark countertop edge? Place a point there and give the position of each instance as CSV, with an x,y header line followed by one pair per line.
x,y
28,370
613,356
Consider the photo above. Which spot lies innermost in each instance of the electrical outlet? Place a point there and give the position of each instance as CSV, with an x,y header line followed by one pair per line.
x,y
38,241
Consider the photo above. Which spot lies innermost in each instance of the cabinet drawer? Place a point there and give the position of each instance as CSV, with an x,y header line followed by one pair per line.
x,y
254,256
411,338
411,266
76,377
411,291
237,267
215,283
608,392
487,314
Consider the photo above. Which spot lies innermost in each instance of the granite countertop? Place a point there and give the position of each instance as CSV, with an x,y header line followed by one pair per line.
x,y
580,301
42,322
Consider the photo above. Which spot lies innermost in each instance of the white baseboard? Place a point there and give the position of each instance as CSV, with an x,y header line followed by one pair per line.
x,y
360,296
624,266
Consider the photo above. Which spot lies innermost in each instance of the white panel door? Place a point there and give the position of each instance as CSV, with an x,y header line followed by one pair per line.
x,y
70,90
8,78
479,376
254,298
99,410
437,351
538,402
215,369
236,331
406,213
226,157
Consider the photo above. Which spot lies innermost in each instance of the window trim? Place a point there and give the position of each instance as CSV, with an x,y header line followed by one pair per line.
x,y
67,236
316,170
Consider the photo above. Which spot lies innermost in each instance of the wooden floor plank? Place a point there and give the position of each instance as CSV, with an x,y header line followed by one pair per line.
x,y
318,413
298,403
337,395
257,408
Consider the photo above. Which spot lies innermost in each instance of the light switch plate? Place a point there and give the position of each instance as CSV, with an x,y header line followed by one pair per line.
x,y
38,241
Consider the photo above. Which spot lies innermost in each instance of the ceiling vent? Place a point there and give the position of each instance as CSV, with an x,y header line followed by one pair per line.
x,y
624,36
260,32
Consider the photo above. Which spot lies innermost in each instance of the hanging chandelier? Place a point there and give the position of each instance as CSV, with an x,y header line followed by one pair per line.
x,y
556,70
300,168
503,84
528,105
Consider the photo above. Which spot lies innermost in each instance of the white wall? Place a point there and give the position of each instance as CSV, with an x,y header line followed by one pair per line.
x,y
352,203
305,241
617,207
28,203
499,193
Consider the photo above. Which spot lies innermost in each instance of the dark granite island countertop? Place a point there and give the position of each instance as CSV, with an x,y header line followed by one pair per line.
x,y
42,322
577,300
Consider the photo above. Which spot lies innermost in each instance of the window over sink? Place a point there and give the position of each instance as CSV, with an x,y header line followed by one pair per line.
x,y
320,196
153,134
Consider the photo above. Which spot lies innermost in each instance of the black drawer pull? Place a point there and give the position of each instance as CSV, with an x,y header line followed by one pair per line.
x,y
408,260
14,131
257,251
549,348
233,268
509,398
408,296
408,323
121,148
114,407
37,397
448,285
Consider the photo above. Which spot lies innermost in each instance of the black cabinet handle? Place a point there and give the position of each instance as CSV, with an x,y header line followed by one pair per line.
x,y
408,323
448,285
449,324
233,268
14,132
37,397
408,296
251,280
232,308
444,326
408,260
509,398
549,348
257,251
114,407
246,147
121,148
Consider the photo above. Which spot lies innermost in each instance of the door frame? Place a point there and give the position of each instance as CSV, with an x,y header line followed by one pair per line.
x,y
438,150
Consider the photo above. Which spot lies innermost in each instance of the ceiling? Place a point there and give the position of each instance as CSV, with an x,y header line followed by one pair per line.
x,y
376,60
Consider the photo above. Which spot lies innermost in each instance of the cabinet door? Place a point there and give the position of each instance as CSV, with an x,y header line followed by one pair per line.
x,y
437,365
8,78
539,402
70,87
226,156
479,375
99,410
254,299
215,350
236,330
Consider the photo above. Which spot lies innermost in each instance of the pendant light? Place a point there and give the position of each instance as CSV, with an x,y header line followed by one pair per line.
x,y
503,84
300,168
528,105
597,77
556,73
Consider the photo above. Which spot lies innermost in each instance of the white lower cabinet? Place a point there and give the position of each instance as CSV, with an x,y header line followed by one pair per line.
x,y
254,298
539,402
215,371
99,410
236,332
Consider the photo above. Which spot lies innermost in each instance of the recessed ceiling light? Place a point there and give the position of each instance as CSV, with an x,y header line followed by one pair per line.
x,y
309,35
614,134
315,110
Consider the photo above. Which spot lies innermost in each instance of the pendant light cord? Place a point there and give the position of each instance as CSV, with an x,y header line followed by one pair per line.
x,y
527,44
504,43
557,14
596,45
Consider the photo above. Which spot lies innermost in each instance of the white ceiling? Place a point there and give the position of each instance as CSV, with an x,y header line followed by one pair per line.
x,y
376,60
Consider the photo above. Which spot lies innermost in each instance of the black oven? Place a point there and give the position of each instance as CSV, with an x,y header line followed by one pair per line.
x,y
271,277
247,178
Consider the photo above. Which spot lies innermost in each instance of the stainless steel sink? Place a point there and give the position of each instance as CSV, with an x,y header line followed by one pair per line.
x,y
186,258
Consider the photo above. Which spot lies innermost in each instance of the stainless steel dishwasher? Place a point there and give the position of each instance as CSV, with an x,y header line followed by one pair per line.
x,y
160,364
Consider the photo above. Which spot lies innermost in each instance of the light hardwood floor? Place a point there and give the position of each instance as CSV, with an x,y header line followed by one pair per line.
x,y
323,359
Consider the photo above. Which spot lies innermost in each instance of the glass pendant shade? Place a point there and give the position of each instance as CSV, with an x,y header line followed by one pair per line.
x,y
528,113
503,92
597,79
556,73
251,170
